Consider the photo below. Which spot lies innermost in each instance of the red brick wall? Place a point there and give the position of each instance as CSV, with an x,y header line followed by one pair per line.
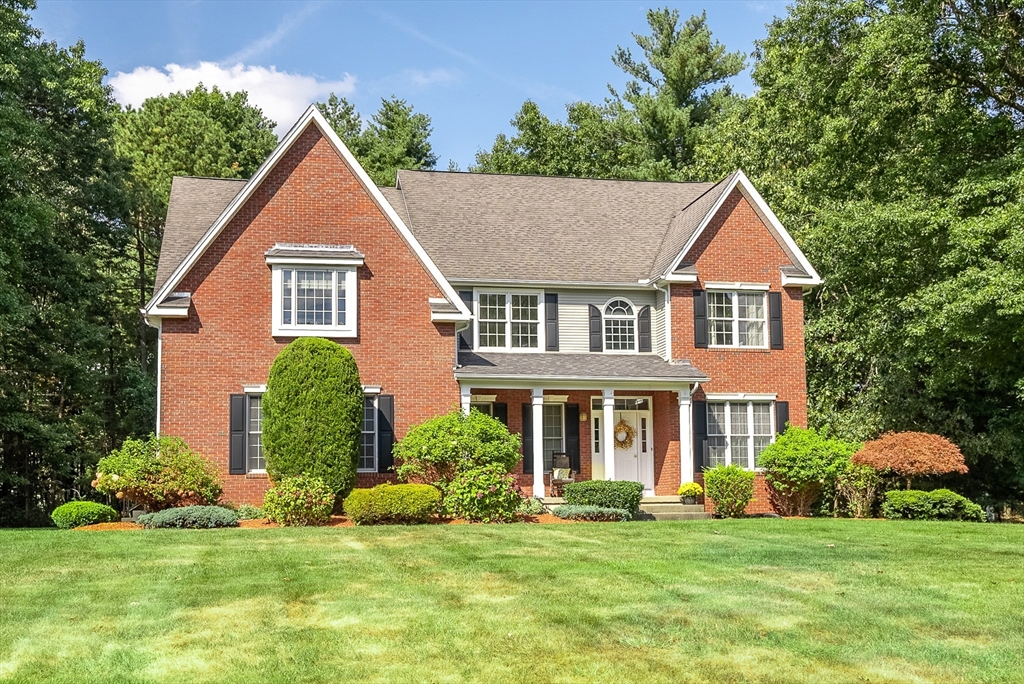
x,y
226,342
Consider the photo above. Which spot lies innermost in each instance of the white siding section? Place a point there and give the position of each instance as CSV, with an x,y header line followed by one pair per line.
x,y
574,316
658,324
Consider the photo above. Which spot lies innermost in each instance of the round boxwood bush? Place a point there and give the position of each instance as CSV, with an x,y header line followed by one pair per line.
x,y
731,488
297,501
313,413
485,494
79,513
190,517
387,503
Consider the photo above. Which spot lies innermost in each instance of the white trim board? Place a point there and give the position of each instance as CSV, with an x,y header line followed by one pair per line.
x,y
313,116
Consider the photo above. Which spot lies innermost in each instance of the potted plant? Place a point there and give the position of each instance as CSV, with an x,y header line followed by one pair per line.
x,y
689,492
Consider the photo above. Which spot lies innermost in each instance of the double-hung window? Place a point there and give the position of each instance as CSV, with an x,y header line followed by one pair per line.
x,y
509,321
554,433
368,442
738,431
314,300
255,462
737,319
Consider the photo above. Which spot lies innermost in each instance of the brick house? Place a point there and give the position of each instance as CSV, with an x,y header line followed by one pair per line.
x,y
643,330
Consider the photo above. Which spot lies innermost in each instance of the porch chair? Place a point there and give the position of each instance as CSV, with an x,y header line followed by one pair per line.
x,y
561,473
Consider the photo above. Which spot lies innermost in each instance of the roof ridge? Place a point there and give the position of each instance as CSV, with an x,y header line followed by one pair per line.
x,y
541,175
217,178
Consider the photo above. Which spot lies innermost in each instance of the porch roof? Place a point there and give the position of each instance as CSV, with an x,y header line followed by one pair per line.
x,y
575,368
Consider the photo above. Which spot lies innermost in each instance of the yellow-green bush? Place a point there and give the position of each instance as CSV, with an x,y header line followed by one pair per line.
x,y
386,503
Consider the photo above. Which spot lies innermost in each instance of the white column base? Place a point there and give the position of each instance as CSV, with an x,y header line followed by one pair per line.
x,y
608,433
537,406
465,396
686,470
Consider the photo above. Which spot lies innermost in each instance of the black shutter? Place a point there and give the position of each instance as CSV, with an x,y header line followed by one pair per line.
x,y
775,319
500,412
551,321
596,336
527,438
385,432
466,336
236,459
700,319
643,332
700,433
781,416
572,435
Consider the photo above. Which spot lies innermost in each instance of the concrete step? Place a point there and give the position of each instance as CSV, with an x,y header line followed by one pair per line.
x,y
675,507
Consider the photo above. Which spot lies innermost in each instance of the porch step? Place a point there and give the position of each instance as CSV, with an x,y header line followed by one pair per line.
x,y
681,516
674,507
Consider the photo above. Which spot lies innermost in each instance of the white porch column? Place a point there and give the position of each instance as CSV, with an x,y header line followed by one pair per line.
x,y
685,436
608,433
465,396
537,404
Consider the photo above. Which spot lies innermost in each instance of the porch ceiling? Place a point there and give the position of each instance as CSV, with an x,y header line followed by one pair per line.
x,y
578,369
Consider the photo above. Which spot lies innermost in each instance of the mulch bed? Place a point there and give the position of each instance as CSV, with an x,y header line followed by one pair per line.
x,y
103,527
336,521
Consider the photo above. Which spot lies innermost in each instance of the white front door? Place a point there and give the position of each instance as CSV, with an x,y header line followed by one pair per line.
x,y
634,462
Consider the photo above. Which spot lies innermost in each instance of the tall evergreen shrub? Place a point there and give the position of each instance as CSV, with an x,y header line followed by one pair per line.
x,y
312,414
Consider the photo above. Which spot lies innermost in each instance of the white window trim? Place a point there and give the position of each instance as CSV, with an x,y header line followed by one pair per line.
x,y
736,319
350,329
749,407
376,433
254,391
756,287
562,449
541,321
636,326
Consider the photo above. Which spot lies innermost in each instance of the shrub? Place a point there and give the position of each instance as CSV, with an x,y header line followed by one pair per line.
x,y
940,504
192,517
487,493
859,484
690,489
605,494
313,414
435,451
249,512
79,513
530,505
592,513
394,504
912,454
158,473
302,500
800,465
731,488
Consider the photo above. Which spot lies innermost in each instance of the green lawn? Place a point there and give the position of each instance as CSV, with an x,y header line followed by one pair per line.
x,y
729,601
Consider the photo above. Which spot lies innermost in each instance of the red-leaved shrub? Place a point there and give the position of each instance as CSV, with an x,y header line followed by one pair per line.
x,y
912,454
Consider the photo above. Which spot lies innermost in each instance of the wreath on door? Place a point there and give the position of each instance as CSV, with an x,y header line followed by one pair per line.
x,y
624,435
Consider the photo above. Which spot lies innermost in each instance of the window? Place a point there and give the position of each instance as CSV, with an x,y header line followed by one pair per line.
x,y
619,326
310,300
508,321
738,431
254,459
486,408
553,433
737,319
368,445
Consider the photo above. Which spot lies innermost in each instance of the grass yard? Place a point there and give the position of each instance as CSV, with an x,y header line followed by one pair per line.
x,y
707,601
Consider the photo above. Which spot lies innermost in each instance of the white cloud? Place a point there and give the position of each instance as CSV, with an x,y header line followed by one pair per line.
x,y
281,95
423,79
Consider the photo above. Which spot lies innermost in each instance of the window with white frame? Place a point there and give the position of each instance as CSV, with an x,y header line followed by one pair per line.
x,y
484,407
508,320
554,433
368,444
619,326
255,462
738,431
737,319
316,300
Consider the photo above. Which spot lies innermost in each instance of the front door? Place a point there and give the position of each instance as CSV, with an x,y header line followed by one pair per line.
x,y
634,448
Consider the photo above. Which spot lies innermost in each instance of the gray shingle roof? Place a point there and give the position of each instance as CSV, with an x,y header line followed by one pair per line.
x,y
684,224
194,205
575,366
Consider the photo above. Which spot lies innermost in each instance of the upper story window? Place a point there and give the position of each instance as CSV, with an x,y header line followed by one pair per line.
x,y
313,300
737,319
509,321
619,326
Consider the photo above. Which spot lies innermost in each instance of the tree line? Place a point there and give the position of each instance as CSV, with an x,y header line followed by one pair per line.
x,y
885,135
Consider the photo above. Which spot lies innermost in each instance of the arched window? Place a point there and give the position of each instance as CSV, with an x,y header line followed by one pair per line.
x,y
619,326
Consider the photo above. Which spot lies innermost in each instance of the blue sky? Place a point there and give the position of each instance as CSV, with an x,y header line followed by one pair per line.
x,y
468,65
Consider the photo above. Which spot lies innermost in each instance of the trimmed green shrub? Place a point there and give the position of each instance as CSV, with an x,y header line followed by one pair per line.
x,y
387,503
158,473
801,465
592,513
530,505
605,494
484,494
940,504
249,512
191,517
313,414
859,485
436,450
78,513
299,501
731,488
